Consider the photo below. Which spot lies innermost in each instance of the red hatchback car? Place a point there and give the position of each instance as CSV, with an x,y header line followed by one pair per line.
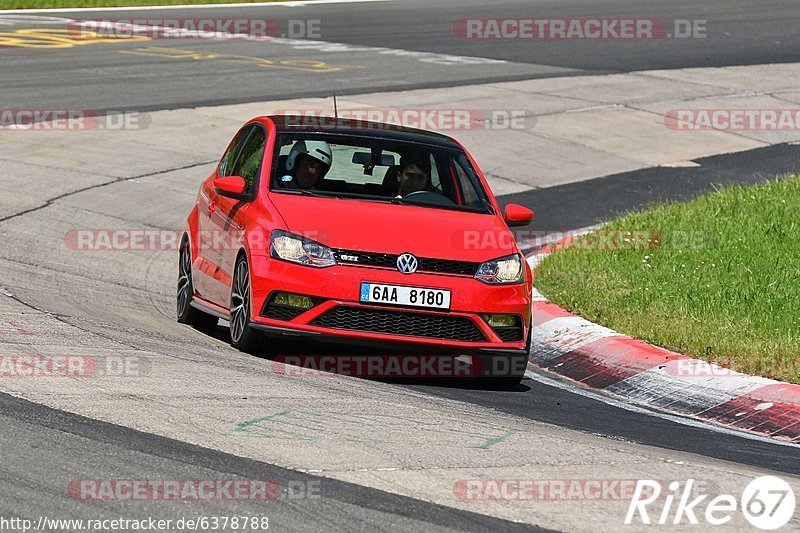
x,y
357,232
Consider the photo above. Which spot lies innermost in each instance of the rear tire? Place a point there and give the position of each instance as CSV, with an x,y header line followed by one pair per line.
x,y
186,313
243,337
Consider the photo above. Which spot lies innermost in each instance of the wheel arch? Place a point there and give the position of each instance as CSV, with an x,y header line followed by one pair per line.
x,y
244,252
191,230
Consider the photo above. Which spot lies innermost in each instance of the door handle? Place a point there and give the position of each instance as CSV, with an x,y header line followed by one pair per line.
x,y
211,208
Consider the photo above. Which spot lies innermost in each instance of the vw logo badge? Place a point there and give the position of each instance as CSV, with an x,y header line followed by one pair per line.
x,y
407,264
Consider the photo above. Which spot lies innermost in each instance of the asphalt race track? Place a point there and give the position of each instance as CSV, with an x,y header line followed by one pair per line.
x,y
122,76
347,454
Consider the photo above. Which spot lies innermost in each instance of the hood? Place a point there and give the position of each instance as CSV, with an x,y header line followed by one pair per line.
x,y
394,229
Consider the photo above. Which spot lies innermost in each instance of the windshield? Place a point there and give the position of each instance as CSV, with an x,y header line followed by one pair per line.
x,y
386,170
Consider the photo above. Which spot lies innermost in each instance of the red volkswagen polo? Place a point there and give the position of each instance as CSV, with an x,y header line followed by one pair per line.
x,y
357,232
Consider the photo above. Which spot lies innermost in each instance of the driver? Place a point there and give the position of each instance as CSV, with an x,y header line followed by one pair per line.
x,y
415,167
308,162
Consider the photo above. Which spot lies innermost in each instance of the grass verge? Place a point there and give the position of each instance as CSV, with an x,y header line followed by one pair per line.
x,y
720,279
61,4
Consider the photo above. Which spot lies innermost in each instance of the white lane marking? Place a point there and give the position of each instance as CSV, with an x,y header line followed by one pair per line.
x,y
535,259
424,57
305,44
304,3
680,164
30,19
537,296
608,400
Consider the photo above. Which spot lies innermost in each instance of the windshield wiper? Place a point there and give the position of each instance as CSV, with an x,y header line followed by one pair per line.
x,y
454,207
301,192
329,194
357,196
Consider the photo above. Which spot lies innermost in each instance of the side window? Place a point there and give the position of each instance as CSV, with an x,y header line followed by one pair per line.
x,y
249,161
229,159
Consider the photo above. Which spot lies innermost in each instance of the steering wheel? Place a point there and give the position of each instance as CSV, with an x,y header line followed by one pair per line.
x,y
430,198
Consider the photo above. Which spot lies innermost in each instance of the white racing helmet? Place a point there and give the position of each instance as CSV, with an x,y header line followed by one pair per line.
x,y
319,150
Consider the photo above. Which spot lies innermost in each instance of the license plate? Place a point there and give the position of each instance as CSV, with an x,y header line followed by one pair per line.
x,y
410,296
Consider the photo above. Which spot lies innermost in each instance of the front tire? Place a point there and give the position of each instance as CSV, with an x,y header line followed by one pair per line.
x,y
505,372
186,313
243,337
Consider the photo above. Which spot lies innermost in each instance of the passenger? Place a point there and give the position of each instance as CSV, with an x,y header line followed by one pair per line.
x,y
307,163
413,174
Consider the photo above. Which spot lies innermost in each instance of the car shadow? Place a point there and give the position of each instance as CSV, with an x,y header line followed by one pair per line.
x,y
314,358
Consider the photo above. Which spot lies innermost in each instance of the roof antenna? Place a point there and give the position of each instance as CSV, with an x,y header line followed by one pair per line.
x,y
335,107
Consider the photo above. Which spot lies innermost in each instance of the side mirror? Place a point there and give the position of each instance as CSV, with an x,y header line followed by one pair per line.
x,y
232,186
517,215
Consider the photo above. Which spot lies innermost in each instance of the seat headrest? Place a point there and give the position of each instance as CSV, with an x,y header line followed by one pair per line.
x,y
390,185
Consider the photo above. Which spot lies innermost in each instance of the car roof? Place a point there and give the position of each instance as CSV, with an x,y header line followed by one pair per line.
x,y
361,128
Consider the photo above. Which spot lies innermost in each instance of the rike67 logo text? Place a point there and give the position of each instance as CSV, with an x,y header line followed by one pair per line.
x,y
768,503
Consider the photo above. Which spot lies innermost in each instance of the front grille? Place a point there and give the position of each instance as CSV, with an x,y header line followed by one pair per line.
x,y
426,264
453,328
464,268
366,258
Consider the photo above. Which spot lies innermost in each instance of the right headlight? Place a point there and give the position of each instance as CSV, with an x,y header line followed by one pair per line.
x,y
508,269
297,249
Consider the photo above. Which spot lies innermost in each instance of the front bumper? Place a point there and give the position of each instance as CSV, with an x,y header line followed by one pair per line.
x,y
339,316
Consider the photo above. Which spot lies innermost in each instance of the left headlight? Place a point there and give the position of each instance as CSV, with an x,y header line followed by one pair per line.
x,y
297,249
508,269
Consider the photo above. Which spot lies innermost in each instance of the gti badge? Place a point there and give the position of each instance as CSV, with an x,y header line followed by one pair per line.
x,y
407,264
